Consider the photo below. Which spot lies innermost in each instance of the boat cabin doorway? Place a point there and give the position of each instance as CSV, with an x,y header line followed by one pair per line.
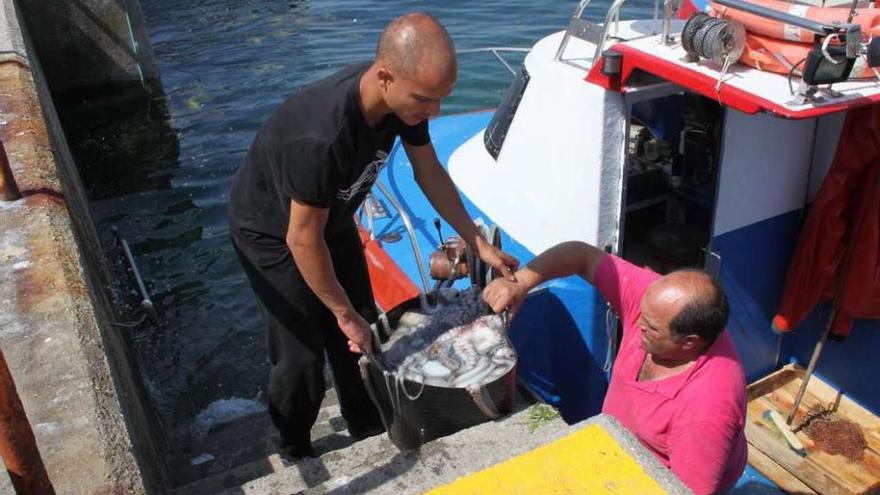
x,y
670,179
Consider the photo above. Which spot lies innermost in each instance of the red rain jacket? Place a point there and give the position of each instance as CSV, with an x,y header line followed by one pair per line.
x,y
838,253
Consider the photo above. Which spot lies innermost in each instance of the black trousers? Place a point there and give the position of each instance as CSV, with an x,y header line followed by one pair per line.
x,y
300,329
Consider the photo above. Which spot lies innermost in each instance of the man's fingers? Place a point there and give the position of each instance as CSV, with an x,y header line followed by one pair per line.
x,y
500,302
366,345
358,348
509,260
496,304
511,313
488,294
507,273
508,263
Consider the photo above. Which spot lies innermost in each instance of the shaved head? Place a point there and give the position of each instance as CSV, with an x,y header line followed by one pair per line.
x,y
413,39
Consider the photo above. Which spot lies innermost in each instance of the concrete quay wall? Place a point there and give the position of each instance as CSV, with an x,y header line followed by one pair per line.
x,y
71,365
90,45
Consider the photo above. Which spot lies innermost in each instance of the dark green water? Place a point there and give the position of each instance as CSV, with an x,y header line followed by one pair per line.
x,y
160,172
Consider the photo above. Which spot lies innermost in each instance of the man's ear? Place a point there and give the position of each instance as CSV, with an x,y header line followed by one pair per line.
x,y
385,77
692,342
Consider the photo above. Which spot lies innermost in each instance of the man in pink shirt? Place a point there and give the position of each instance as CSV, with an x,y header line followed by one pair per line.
x,y
677,381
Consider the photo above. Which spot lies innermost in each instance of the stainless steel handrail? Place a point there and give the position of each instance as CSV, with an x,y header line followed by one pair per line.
x,y
146,304
669,9
412,237
368,211
612,19
613,12
578,11
494,50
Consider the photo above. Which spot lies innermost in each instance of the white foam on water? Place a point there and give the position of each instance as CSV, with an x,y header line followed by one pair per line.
x,y
224,411
195,461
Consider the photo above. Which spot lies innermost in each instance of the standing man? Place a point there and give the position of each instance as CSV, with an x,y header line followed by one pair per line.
x,y
677,381
291,209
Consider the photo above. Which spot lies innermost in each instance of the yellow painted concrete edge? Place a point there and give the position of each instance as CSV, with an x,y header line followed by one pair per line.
x,y
589,461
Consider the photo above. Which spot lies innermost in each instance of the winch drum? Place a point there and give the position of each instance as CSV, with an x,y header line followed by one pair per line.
x,y
422,413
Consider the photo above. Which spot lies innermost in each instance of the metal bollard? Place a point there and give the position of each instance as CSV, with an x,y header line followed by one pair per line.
x,y
17,443
8,188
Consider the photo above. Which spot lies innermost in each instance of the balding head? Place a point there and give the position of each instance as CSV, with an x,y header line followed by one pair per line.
x,y
705,308
413,39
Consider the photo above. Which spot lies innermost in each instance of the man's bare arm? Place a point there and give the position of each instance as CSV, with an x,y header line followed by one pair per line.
x,y
561,260
438,187
305,239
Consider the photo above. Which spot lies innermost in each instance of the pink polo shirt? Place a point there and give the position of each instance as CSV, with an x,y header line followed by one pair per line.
x,y
693,421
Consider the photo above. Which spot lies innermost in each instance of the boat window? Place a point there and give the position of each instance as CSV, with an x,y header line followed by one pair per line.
x,y
495,133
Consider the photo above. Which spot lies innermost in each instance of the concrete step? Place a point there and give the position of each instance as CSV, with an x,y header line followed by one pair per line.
x,y
448,459
375,465
247,448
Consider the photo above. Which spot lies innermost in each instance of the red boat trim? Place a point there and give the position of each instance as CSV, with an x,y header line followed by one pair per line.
x,y
390,284
596,77
734,97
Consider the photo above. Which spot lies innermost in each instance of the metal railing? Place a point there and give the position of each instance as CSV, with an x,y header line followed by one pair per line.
x,y
496,50
599,33
146,304
411,233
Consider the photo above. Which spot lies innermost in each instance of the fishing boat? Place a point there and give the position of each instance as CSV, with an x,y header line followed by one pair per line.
x,y
649,138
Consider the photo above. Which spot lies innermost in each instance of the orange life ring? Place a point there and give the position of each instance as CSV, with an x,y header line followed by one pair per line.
x,y
868,19
779,56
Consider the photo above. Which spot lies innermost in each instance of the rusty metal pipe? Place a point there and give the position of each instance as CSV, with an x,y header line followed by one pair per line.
x,y
17,443
8,188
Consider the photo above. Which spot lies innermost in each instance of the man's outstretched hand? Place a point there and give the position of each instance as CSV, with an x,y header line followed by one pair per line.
x,y
503,294
497,259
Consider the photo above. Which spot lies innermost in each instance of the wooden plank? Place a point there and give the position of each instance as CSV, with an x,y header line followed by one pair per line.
x,y
867,422
852,477
826,394
786,481
813,460
862,476
773,381
776,449
822,472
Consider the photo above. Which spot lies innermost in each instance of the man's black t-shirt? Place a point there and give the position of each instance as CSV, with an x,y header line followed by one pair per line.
x,y
316,149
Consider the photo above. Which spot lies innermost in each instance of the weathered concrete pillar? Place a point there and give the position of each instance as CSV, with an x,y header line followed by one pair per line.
x,y
90,44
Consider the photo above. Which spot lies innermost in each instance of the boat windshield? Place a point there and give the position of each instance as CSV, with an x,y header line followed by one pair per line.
x,y
495,133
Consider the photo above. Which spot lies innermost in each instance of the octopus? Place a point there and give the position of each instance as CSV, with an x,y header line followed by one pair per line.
x,y
456,345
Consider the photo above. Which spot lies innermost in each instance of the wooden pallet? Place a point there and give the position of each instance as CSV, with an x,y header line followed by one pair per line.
x,y
818,472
